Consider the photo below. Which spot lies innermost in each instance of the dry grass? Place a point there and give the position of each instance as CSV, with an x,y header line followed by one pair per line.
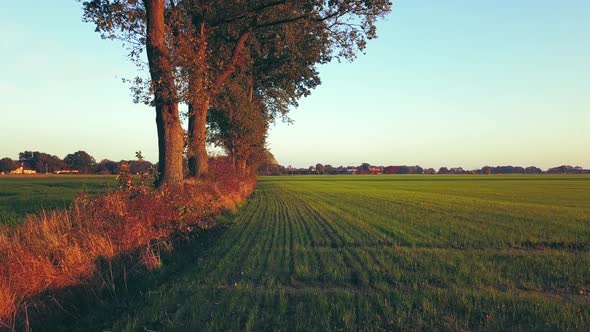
x,y
57,249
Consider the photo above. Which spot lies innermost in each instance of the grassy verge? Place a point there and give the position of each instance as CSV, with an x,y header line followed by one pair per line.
x,y
53,251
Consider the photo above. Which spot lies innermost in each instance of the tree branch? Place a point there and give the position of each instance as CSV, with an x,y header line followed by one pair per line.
x,y
278,22
250,13
233,64
337,13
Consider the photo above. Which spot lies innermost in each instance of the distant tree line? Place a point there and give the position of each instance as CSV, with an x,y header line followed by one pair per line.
x,y
84,163
78,162
271,167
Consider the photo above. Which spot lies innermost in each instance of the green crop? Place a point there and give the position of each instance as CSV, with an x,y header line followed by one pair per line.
x,y
351,253
389,252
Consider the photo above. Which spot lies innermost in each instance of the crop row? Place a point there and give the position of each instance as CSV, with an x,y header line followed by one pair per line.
x,y
351,255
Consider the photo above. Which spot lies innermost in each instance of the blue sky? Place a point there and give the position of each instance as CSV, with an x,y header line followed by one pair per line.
x,y
447,83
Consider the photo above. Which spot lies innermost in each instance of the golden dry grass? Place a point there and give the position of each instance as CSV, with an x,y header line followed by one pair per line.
x,y
57,249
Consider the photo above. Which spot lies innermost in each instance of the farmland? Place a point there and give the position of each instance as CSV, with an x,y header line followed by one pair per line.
x,y
378,252
20,195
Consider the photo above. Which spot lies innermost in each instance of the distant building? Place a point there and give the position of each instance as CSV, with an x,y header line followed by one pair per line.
x,y
390,170
25,166
375,170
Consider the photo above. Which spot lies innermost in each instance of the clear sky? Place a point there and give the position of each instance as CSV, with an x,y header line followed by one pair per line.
x,y
447,83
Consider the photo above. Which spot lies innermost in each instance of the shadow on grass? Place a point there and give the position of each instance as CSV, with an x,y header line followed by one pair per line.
x,y
95,305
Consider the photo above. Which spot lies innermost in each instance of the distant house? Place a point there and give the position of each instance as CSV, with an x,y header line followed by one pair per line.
x,y
25,166
390,170
375,170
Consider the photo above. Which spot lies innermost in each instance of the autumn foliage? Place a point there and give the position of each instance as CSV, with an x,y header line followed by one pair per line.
x,y
57,249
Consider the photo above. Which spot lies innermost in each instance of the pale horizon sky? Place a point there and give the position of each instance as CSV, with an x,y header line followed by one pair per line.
x,y
454,83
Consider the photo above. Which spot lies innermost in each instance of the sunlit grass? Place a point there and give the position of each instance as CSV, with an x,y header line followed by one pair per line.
x,y
389,252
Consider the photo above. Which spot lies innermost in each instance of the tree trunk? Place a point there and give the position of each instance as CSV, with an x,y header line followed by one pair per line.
x,y
243,167
170,146
203,93
198,159
232,156
170,136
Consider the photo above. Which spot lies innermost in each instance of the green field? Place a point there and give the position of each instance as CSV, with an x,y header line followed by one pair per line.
x,y
20,195
377,253
388,252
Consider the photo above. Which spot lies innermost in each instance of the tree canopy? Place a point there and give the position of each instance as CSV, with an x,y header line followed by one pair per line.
x,y
8,165
81,161
196,49
238,123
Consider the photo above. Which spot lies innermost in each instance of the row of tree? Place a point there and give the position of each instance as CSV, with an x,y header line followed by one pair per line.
x,y
79,161
273,168
236,64
267,165
564,169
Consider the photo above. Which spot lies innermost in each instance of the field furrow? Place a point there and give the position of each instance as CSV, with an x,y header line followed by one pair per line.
x,y
385,253
350,253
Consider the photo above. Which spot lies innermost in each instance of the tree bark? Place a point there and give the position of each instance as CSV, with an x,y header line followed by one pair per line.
x,y
243,167
170,136
170,146
198,161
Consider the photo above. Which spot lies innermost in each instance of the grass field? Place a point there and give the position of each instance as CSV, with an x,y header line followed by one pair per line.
x,y
387,252
378,253
20,195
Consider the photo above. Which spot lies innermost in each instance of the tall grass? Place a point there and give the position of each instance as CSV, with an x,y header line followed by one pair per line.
x,y
57,249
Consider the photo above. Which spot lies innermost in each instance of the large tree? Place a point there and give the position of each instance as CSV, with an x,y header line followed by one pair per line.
x,y
106,166
7,165
143,24
201,44
266,86
238,123
170,135
81,161
222,34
